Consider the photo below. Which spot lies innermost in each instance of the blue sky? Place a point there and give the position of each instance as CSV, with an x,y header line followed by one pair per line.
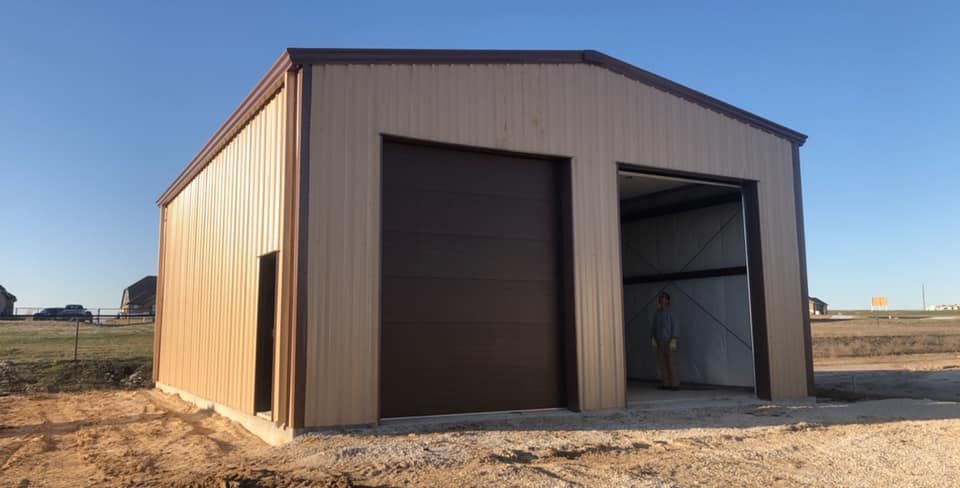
x,y
102,104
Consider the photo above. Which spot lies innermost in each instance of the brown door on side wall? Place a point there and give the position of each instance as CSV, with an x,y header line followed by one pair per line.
x,y
471,282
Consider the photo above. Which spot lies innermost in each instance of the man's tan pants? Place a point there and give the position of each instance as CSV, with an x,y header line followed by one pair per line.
x,y
667,366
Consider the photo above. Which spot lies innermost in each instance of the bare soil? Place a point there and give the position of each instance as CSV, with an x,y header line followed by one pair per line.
x,y
142,437
63,376
146,438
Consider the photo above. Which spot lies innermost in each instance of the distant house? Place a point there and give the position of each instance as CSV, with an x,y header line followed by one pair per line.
x,y
140,297
817,306
6,302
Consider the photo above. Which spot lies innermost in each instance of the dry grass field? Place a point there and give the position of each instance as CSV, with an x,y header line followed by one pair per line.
x,y
38,356
882,337
129,436
913,355
34,341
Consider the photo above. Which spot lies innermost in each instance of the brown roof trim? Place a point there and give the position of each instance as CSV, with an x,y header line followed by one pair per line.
x,y
431,56
453,56
293,57
687,93
254,101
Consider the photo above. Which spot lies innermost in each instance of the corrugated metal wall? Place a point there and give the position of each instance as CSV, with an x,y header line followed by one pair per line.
x,y
213,234
594,116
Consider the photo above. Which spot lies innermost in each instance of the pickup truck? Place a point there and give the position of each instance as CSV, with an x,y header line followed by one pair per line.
x,y
48,314
70,312
74,312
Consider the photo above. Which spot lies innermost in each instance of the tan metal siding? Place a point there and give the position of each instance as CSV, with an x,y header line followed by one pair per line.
x,y
213,233
587,113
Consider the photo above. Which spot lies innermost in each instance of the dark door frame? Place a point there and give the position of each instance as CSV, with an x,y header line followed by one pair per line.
x,y
265,360
755,285
567,302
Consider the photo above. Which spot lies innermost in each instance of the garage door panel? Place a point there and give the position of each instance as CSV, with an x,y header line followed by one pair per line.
x,y
526,377
470,287
416,300
468,215
426,169
450,256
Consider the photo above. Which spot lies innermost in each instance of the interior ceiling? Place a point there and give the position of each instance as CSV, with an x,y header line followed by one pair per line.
x,y
634,185
639,193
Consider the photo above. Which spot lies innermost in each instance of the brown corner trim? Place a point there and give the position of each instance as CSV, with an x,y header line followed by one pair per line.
x,y
804,289
568,305
303,246
158,301
264,90
758,301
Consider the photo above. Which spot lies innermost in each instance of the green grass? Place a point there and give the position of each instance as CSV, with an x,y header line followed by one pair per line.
x,y
28,341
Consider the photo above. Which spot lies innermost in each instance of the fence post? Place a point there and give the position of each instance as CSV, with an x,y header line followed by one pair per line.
x,y
76,341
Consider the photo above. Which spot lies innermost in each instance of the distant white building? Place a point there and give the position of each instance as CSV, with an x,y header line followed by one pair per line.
x,y
939,308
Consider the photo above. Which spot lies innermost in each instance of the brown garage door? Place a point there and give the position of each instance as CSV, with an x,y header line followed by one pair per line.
x,y
470,317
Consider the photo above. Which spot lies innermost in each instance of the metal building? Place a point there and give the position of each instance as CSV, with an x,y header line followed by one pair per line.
x,y
392,233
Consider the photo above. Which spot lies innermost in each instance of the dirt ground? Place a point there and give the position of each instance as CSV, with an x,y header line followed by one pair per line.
x,y
142,437
147,438
916,357
933,376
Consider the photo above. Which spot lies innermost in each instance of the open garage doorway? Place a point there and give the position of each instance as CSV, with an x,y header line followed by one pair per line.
x,y
687,238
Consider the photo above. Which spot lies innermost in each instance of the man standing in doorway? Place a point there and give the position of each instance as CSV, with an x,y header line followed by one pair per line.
x,y
663,336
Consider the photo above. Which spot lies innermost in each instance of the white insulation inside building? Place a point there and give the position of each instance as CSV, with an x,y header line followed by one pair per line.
x,y
713,313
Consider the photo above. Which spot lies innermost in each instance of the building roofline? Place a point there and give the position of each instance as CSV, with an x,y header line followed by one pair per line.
x,y
261,93
293,58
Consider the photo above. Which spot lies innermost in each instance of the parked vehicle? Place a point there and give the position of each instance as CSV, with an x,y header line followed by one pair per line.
x,y
48,314
74,312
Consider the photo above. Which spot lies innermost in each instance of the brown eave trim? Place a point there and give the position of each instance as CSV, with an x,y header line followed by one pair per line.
x,y
469,56
254,101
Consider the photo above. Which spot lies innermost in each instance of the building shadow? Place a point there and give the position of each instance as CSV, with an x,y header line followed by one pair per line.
x,y
942,385
724,409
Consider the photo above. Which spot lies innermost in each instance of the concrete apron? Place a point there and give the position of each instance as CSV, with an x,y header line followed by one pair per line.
x,y
640,400
263,428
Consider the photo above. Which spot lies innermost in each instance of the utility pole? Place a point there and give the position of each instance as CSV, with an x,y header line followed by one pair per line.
x,y
923,292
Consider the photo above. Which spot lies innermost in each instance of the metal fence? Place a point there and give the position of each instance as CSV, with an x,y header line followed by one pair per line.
x,y
96,316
